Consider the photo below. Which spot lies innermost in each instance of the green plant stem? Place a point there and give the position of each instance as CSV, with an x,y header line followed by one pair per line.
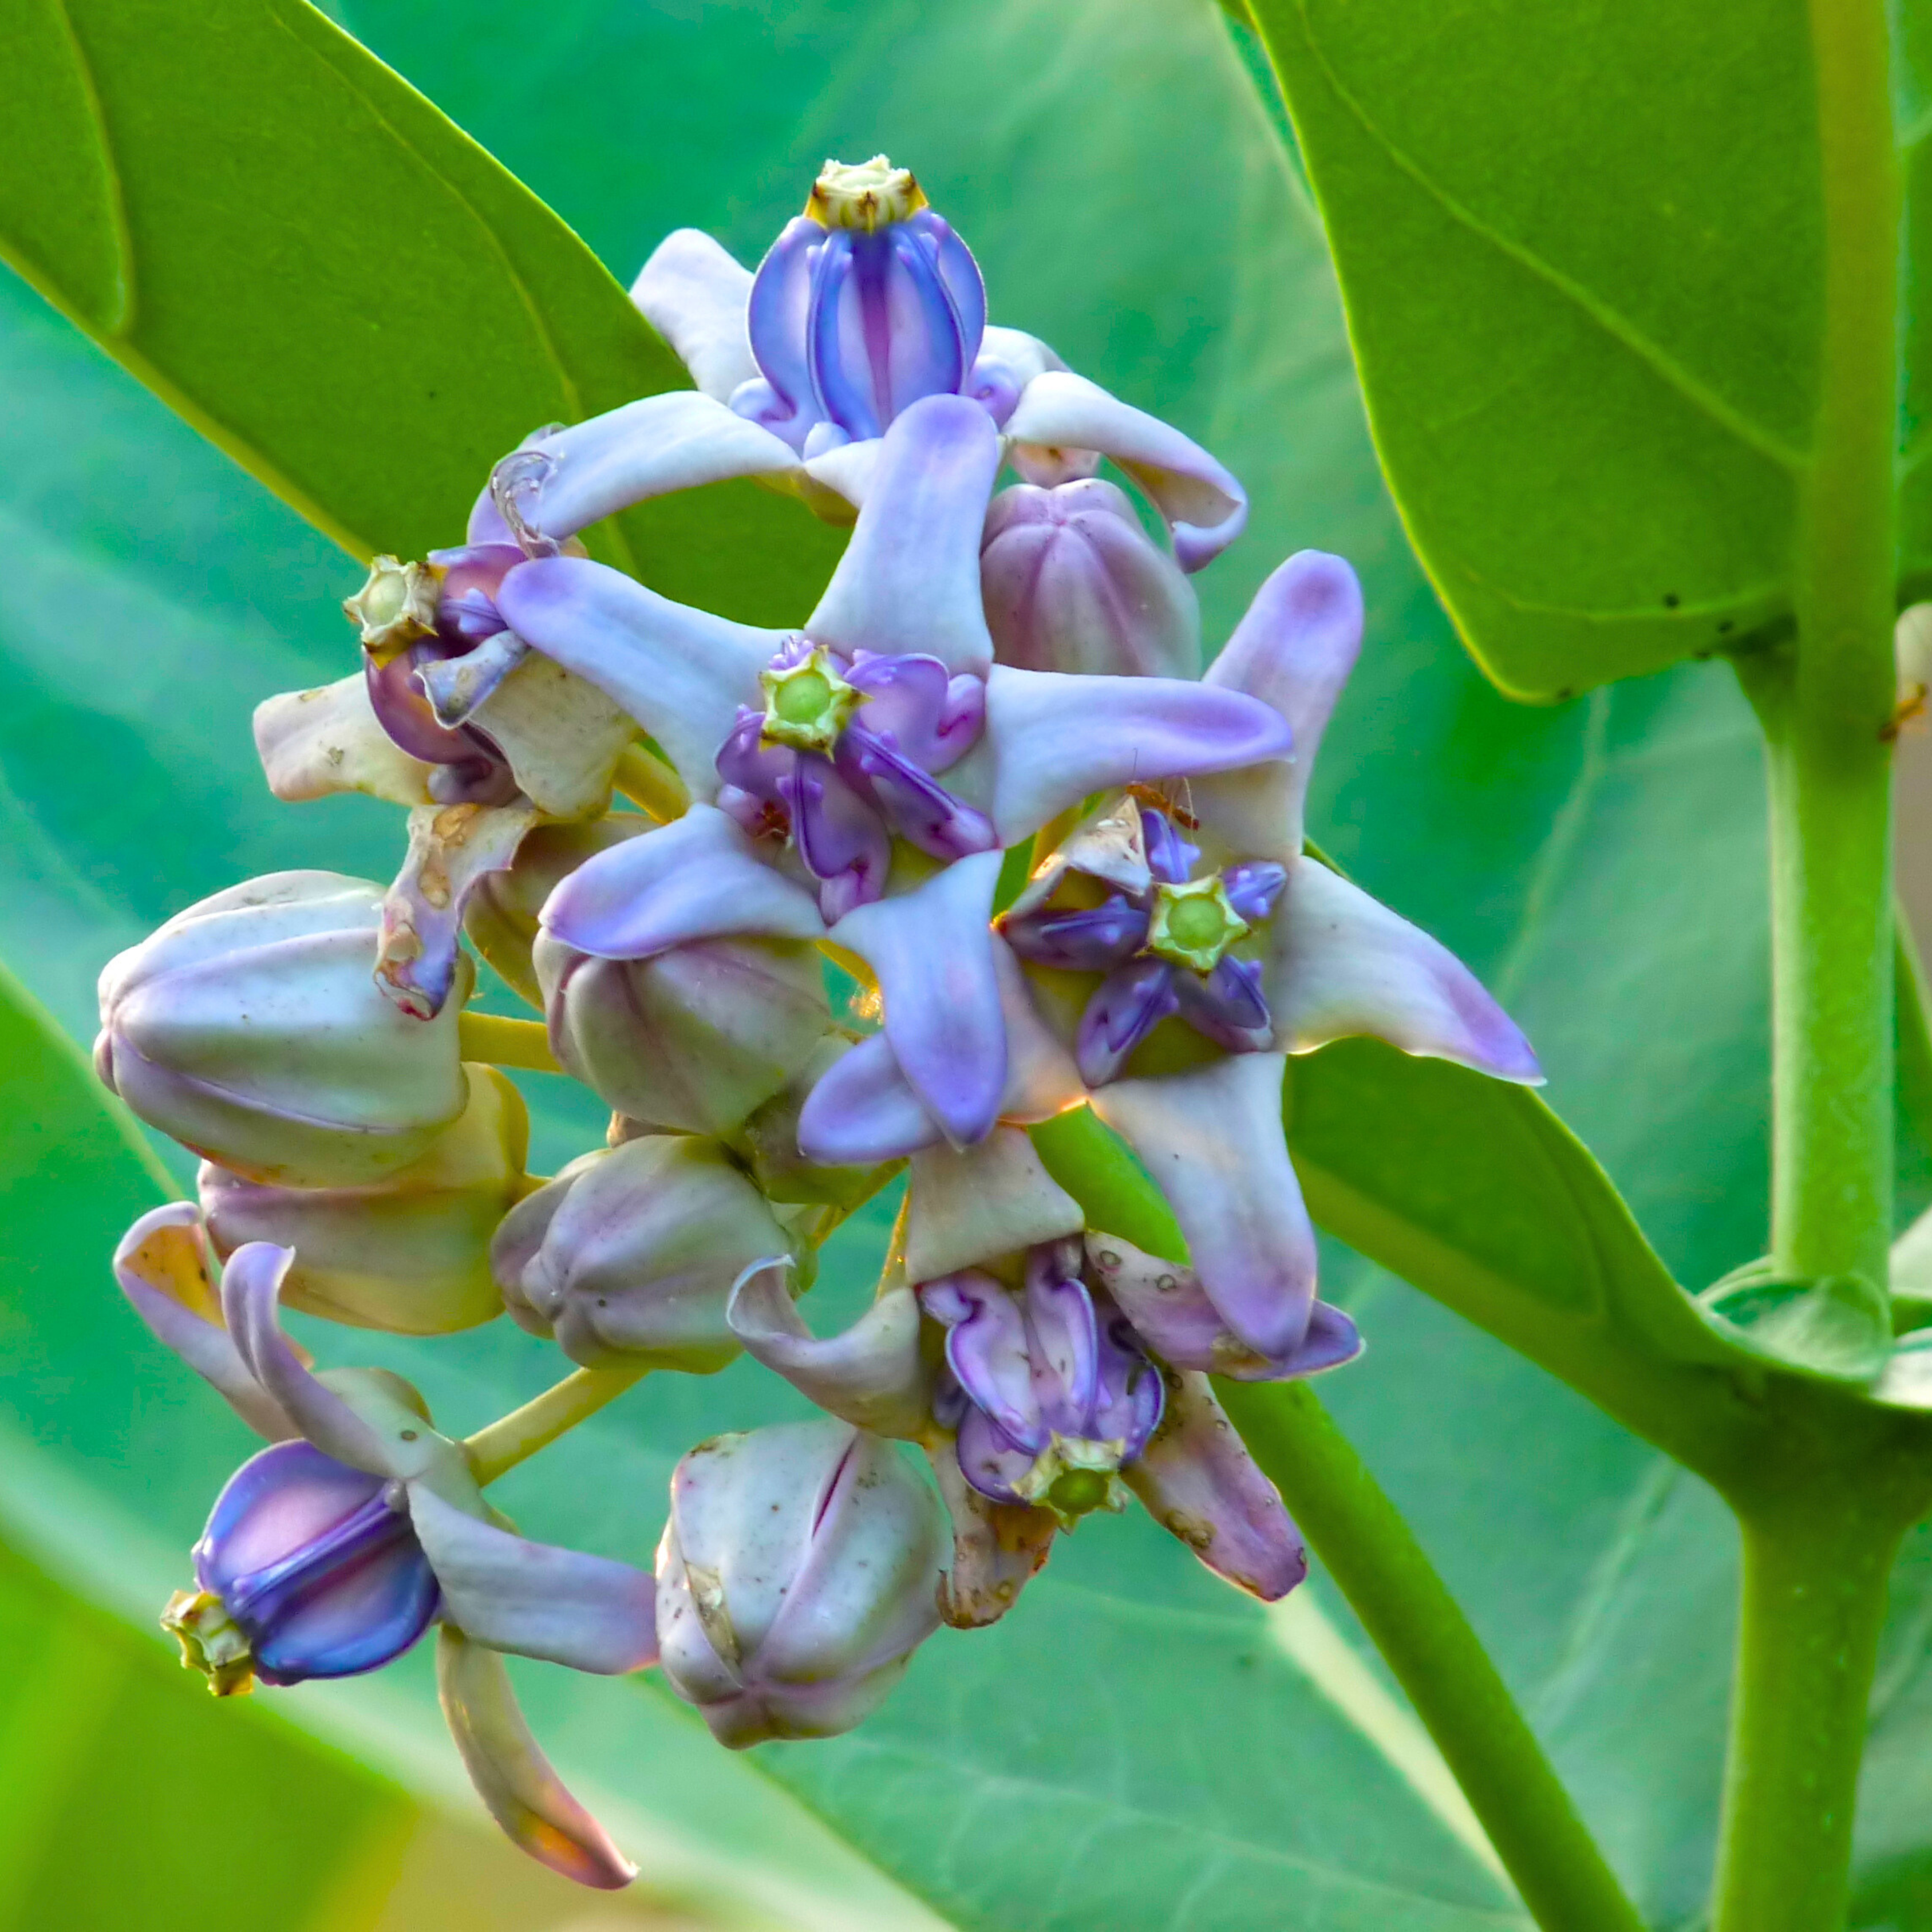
x,y
1390,1585
495,1450
1813,1603
501,1042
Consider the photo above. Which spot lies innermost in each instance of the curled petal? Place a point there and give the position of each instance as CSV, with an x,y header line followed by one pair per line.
x,y
560,735
839,836
162,1266
989,1460
512,1777
682,674
1064,1348
924,712
1344,964
863,1110
872,1375
970,1207
452,848
534,1598
917,807
932,950
313,744
1171,1313
695,295
1294,650
986,1349
909,577
456,686
996,1547
1203,503
678,440
1126,1006
1211,1138
1088,939
698,878
1198,1480
1052,739
1229,1006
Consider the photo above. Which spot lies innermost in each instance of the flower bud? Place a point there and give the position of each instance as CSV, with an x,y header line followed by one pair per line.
x,y
632,1253
692,1039
250,1029
409,1253
501,916
799,1571
1073,583
307,1568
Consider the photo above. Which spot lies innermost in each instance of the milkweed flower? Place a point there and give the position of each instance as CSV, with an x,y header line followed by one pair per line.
x,y
866,304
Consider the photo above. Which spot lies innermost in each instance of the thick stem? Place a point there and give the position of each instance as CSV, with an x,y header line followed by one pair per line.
x,y
502,1042
1814,1600
1410,1617
650,784
513,1438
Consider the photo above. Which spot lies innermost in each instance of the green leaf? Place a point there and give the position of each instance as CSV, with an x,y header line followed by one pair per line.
x,y
1583,265
1137,1746
335,284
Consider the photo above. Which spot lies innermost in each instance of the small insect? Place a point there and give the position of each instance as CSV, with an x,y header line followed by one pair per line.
x,y
1156,799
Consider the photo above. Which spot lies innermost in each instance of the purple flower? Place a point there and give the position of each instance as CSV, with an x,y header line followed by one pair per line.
x,y
867,303
330,1553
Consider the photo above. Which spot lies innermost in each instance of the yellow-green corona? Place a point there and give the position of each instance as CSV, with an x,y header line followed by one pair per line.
x,y
211,1641
396,606
865,195
807,704
1193,924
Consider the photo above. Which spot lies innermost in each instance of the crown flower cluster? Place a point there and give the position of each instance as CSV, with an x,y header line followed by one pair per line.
x,y
984,777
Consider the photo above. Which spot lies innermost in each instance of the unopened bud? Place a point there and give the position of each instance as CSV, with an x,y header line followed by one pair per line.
x,y
798,1572
409,1253
250,1029
631,1253
1073,583
693,1039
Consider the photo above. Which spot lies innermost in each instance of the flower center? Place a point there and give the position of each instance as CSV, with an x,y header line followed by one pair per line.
x,y
1079,1492
212,1642
866,195
395,607
807,705
1193,925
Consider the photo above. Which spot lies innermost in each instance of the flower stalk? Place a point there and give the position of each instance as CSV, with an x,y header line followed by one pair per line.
x,y
496,1450
500,1041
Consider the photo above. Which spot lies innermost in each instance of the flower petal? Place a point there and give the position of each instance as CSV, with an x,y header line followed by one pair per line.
x,y
1206,506
932,950
1053,737
314,744
909,580
682,674
840,838
986,1349
512,1777
162,1266
1344,964
534,1598
1294,650
561,736
922,710
872,1375
452,848
1126,1006
1211,1138
695,295
1063,1347
969,1208
863,1110
1198,1480
996,1547
698,878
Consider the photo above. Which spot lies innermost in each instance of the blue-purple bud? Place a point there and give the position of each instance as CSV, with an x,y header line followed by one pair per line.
x,y
1073,583
866,302
307,1568
799,1570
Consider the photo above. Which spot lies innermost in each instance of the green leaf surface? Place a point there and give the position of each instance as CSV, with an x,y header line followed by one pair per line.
x,y
1582,253
1602,866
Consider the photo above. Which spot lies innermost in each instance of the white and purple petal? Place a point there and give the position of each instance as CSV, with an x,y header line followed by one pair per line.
x,y
695,295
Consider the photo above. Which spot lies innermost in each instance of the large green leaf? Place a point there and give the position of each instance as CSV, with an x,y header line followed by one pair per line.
x,y
1601,865
1582,252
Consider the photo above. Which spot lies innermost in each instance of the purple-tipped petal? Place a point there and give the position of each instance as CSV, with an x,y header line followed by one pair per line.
x,y
872,1375
1198,1480
695,295
1130,1396
1228,1007
452,849
251,1286
970,1209
162,1266
535,1599
777,306
990,1461
1204,504
919,809
678,440
920,709
1253,887
1091,939
1211,1138
698,878
1051,740
1294,650
932,950
839,836
1063,1346
864,1111
1126,1006
996,1547
1170,857
512,1777
909,578
986,1349
1170,1313
1344,964
682,674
